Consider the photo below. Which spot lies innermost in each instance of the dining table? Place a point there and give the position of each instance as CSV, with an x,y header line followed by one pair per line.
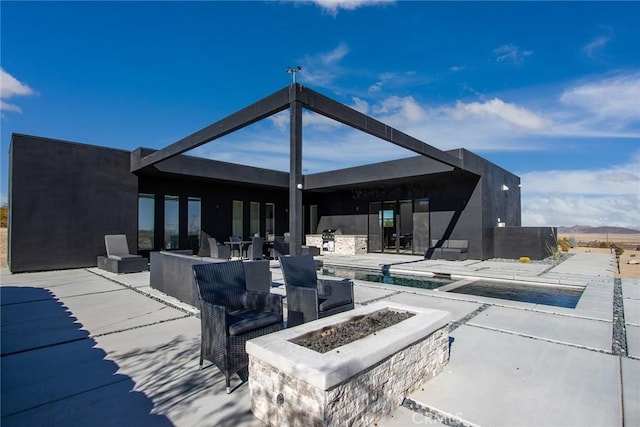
x,y
240,244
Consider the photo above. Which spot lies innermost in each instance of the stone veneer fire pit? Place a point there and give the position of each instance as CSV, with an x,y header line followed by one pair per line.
x,y
355,384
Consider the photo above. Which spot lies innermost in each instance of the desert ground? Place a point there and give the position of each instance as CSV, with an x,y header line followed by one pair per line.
x,y
631,243
627,271
3,247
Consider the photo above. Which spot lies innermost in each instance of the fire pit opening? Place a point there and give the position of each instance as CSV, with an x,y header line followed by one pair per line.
x,y
334,336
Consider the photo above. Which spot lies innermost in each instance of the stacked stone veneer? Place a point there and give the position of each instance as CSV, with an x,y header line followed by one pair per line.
x,y
281,398
345,244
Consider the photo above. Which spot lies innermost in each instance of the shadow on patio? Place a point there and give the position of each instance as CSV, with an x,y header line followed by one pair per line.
x,y
52,372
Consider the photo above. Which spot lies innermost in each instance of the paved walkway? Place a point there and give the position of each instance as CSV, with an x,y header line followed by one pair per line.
x,y
85,347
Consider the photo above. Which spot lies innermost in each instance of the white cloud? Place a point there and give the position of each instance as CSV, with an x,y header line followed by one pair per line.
x,y
560,210
335,55
390,81
5,106
510,53
360,105
322,69
500,124
583,197
10,87
594,46
519,117
614,98
382,79
333,6
400,111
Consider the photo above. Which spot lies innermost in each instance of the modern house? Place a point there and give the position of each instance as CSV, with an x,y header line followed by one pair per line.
x,y
65,197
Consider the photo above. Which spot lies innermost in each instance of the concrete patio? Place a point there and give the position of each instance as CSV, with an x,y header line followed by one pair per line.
x,y
83,347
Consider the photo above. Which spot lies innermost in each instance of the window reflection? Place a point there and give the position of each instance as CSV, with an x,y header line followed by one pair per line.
x,y
194,225
146,207
171,222
236,225
254,220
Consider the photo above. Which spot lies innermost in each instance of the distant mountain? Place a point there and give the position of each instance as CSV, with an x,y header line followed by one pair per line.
x,y
585,229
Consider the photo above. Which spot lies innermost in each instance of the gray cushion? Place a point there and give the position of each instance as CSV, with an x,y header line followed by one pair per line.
x,y
120,257
330,303
243,321
458,244
116,244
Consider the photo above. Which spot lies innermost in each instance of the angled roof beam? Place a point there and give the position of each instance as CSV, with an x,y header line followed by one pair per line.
x,y
264,108
327,107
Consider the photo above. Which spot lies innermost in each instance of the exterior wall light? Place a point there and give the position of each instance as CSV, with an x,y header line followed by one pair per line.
x,y
505,188
299,186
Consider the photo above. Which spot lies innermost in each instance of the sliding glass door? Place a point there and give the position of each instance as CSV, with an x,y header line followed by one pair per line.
x,y
399,226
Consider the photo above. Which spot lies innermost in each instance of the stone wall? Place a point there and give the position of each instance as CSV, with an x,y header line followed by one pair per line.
x,y
345,244
281,399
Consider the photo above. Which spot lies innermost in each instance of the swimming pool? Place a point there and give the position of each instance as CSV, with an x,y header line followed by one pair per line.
x,y
567,297
379,277
559,296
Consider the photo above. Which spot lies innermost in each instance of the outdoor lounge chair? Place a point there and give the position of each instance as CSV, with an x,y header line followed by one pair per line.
x,y
230,316
310,298
118,259
217,250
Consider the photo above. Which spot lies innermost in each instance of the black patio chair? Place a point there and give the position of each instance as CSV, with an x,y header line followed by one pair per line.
x,y
230,316
310,298
280,247
256,248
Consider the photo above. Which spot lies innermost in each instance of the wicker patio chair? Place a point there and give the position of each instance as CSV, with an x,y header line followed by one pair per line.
x,y
256,248
230,316
310,298
280,247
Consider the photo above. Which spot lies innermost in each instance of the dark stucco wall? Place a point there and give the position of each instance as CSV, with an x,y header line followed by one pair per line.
x,y
64,198
490,202
532,242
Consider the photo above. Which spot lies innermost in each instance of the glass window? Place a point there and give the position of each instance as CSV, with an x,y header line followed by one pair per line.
x,y
270,221
421,233
236,222
171,222
146,207
313,219
254,220
194,224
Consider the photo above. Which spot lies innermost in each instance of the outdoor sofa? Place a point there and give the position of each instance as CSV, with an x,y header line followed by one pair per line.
x,y
171,273
452,250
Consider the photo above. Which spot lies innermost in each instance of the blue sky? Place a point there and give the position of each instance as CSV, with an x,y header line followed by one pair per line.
x,y
547,90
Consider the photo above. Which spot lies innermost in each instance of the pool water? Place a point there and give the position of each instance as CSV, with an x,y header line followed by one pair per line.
x,y
558,296
546,295
379,277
